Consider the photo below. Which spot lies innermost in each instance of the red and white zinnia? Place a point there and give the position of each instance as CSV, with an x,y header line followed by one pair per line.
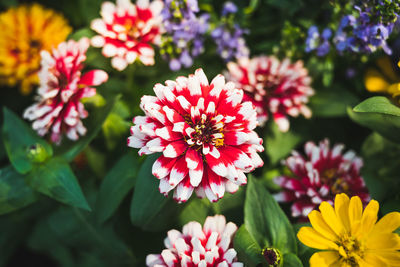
x,y
127,31
280,88
58,109
210,246
205,133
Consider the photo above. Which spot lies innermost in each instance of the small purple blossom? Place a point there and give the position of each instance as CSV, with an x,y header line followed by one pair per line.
x,y
229,36
184,36
318,42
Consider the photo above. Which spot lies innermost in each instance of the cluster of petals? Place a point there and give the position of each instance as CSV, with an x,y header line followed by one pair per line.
x,y
351,236
210,246
205,133
319,175
127,31
280,88
58,109
25,30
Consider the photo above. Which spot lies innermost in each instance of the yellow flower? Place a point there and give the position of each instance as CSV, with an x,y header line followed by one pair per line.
x,y
383,79
24,32
351,237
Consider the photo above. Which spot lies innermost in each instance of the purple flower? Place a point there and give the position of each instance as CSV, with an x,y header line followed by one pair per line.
x,y
183,39
318,42
229,36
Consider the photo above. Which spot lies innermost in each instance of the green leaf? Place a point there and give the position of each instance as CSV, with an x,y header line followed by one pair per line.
x,y
266,221
278,144
56,180
332,103
115,186
291,260
196,210
18,138
14,192
150,210
70,149
378,114
249,252
286,6
84,32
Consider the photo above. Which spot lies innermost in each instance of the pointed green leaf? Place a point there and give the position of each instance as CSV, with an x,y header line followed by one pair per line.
x,y
151,210
196,210
291,260
14,192
115,186
332,103
249,252
56,180
18,139
266,221
70,149
378,114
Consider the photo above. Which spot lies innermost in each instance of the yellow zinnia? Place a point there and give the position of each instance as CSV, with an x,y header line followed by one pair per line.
x,y
24,32
383,79
351,237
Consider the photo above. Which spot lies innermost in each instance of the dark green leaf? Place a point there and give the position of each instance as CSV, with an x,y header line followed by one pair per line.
x,y
249,252
115,186
291,260
69,149
378,114
18,138
196,210
278,144
56,180
266,221
150,210
332,103
84,32
287,6
14,192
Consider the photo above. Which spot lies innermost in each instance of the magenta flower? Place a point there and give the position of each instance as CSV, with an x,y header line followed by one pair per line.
x,y
62,86
210,246
279,88
205,133
127,31
320,175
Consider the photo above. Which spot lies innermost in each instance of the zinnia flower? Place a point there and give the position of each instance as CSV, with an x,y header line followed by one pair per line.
x,y
58,109
350,236
127,31
279,88
205,133
320,175
24,32
208,247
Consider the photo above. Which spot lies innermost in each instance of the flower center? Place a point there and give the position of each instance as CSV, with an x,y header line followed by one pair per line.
x,y
338,184
205,131
351,250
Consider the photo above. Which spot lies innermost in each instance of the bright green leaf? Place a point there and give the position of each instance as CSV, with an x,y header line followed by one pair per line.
x,y
249,252
70,149
196,210
291,260
56,180
14,192
150,210
18,138
378,114
84,32
266,221
115,186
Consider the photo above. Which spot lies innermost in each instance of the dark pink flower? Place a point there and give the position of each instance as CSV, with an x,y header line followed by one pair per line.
x,y
320,175
279,88
127,31
58,109
210,246
205,133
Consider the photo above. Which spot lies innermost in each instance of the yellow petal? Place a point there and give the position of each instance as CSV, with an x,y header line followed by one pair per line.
x,y
389,223
371,259
355,212
321,226
369,217
383,241
325,258
329,215
374,81
392,258
342,203
309,237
